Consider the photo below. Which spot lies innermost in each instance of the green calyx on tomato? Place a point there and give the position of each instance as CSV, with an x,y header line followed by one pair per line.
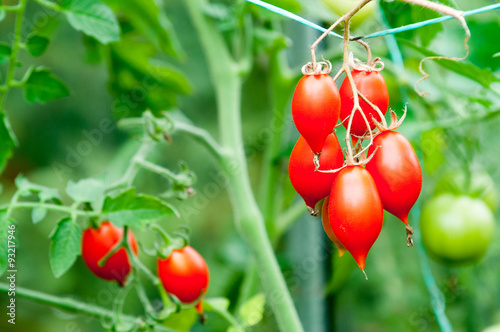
x,y
456,230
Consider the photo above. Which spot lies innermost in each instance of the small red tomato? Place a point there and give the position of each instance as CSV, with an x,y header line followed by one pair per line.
x,y
396,172
328,228
96,243
315,109
312,185
370,84
355,211
184,274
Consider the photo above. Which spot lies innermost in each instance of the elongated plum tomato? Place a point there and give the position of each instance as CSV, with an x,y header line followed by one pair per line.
x,y
311,185
96,243
328,228
315,109
184,274
355,211
397,173
370,84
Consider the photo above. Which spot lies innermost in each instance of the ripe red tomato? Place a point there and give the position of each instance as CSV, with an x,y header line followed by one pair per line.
x,y
456,230
396,171
328,228
96,243
313,186
372,85
315,109
355,211
184,274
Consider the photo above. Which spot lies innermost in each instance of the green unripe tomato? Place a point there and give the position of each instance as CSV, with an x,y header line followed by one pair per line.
x,y
340,7
481,186
456,230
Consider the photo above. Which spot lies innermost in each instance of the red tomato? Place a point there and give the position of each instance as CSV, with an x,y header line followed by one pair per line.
x,y
328,228
184,274
313,186
396,171
372,85
355,211
96,243
315,109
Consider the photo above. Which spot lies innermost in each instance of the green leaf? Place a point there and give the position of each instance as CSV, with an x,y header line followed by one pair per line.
x,y
133,72
93,18
44,193
86,190
433,144
5,51
7,141
4,238
252,311
289,5
483,76
65,246
37,44
269,40
41,86
426,33
135,210
220,305
151,21
2,14
37,214
182,320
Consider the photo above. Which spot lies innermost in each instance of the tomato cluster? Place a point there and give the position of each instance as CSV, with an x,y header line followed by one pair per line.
x,y
183,274
358,189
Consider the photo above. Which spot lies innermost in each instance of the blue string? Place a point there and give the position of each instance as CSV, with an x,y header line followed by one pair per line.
x,y
376,34
294,17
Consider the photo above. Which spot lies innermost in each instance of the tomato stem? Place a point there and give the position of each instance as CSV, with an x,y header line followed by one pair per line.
x,y
72,305
345,18
16,46
248,218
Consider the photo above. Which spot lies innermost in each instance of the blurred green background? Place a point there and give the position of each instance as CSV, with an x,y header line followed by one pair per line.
x,y
453,130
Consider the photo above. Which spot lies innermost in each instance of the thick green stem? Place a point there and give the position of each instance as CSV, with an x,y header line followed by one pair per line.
x,y
249,220
75,306
16,46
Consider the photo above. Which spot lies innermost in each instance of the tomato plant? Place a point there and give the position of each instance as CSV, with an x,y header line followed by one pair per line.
x,y
315,109
190,123
396,172
97,243
311,185
355,211
184,274
457,230
370,84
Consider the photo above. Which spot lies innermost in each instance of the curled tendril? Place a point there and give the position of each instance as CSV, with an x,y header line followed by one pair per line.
x,y
322,67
